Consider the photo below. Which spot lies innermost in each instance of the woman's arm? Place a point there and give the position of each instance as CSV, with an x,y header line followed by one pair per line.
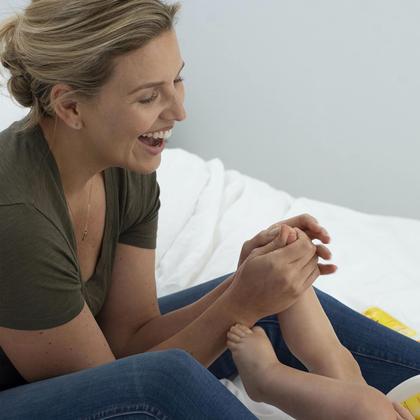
x,y
268,282
130,318
44,353
210,309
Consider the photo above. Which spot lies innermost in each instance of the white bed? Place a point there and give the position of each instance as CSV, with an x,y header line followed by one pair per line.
x,y
208,212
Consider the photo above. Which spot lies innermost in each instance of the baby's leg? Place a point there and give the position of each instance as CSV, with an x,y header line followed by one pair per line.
x,y
302,395
310,337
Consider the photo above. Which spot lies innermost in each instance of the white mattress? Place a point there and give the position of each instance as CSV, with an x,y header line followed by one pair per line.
x,y
208,212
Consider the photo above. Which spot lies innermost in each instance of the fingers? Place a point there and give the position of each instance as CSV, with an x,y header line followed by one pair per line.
x,y
311,278
297,248
309,267
323,252
293,235
283,238
310,226
278,241
325,269
301,248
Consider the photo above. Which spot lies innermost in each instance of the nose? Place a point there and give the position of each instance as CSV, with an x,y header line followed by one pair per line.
x,y
175,110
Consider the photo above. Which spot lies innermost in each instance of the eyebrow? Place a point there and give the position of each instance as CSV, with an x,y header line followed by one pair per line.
x,y
154,84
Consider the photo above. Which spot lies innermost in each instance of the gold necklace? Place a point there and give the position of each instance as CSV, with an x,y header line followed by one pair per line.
x,y
85,230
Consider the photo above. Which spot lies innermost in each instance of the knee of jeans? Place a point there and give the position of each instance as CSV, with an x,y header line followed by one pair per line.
x,y
167,362
178,360
163,371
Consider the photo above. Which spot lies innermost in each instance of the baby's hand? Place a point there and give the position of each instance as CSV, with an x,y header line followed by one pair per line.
x,y
286,236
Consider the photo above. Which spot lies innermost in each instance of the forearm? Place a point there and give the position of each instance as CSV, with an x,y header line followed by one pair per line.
x,y
309,396
309,335
166,326
205,337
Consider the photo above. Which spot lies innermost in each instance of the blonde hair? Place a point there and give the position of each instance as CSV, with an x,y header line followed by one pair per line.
x,y
74,42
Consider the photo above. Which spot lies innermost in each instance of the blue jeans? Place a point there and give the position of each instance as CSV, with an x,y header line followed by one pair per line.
x,y
162,385
172,385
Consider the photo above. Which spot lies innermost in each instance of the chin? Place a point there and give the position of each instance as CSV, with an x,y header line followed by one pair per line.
x,y
146,168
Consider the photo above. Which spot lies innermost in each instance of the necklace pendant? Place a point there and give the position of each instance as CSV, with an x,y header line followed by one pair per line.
x,y
84,235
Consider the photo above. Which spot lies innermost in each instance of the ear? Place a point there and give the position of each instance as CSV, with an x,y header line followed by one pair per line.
x,y
66,106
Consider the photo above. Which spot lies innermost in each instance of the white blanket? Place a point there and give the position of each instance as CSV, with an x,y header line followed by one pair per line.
x,y
208,212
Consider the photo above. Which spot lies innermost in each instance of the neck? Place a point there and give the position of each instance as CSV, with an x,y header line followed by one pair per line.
x,y
76,162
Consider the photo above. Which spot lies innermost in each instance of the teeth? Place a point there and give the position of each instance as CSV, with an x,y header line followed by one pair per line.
x,y
158,135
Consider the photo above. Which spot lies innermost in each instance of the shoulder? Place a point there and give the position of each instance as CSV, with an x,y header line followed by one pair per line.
x,y
20,152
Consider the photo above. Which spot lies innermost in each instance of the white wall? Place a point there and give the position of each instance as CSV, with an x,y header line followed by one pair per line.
x,y
319,98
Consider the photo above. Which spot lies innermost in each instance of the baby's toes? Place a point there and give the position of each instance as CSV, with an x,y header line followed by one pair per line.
x,y
244,328
235,338
239,330
232,345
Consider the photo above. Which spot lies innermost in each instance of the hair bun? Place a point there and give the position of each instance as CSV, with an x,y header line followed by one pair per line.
x,y
20,88
20,82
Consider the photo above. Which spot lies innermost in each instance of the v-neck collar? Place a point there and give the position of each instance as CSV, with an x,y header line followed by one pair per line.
x,y
105,239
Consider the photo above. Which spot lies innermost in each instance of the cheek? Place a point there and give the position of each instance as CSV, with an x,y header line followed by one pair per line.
x,y
141,119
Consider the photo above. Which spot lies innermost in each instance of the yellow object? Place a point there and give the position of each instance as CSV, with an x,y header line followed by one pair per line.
x,y
412,404
389,321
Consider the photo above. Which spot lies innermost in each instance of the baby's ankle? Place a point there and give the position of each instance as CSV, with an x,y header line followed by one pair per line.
x,y
266,380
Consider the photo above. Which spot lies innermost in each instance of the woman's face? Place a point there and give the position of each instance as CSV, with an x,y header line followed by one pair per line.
x,y
125,108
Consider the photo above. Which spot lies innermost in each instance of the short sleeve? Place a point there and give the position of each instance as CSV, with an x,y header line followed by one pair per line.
x,y
40,285
140,219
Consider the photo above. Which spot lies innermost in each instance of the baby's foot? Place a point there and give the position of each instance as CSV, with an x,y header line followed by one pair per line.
x,y
254,357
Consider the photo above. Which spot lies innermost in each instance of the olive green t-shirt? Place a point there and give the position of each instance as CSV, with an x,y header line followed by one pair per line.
x,y
40,279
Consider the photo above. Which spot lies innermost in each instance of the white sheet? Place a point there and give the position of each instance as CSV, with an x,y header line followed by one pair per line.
x,y
208,212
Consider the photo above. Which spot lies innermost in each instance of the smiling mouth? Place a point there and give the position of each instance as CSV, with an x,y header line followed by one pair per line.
x,y
151,141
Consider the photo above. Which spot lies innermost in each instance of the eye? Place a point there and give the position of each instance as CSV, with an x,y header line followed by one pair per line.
x,y
156,94
151,99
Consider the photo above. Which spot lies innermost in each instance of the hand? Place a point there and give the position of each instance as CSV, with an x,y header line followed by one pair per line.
x,y
307,224
283,274
402,412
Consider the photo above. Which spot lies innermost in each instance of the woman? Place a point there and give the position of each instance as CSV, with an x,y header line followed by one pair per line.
x,y
79,205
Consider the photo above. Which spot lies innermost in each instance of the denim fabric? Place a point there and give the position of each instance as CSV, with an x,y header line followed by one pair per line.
x,y
386,358
162,385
